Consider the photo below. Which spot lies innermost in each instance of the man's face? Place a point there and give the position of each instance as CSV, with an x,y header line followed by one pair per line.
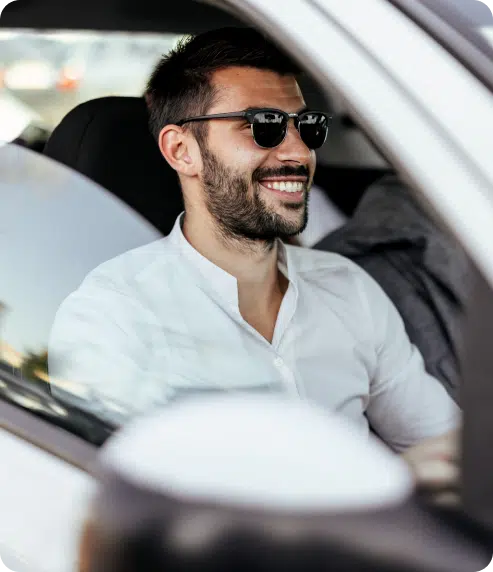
x,y
242,182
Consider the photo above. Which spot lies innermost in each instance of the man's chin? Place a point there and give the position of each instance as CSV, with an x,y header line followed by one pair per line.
x,y
291,226
270,236
289,234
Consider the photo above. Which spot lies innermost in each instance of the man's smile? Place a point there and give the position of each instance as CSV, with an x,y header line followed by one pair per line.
x,y
290,188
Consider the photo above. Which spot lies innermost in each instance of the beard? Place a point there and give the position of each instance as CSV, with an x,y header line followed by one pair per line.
x,y
240,216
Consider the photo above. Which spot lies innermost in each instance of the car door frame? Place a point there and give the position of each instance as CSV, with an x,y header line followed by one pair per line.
x,y
49,438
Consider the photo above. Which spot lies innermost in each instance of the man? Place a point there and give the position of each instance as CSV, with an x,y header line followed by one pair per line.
x,y
221,304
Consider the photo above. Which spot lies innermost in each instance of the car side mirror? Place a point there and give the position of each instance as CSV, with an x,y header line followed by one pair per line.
x,y
237,477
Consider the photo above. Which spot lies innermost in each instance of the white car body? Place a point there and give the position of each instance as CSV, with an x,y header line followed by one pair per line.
x,y
41,516
365,53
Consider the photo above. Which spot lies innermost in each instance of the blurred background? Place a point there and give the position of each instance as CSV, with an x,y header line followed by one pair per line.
x,y
45,75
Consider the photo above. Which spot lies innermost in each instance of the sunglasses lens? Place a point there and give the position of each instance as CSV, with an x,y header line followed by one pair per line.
x,y
313,129
269,128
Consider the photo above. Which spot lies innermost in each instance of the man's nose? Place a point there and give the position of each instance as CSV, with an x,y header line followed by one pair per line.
x,y
293,149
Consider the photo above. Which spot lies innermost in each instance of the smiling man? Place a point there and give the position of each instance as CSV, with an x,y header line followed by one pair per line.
x,y
222,304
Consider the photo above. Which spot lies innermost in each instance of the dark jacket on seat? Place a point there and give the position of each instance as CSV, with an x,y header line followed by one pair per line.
x,y
422,270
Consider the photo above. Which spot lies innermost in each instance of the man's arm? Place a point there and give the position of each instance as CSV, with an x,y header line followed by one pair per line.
x,y
407,405
100,354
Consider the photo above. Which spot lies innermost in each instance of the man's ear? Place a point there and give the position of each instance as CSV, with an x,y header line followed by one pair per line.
x,y
177,148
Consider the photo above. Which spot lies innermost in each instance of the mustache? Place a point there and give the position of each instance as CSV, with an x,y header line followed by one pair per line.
x,y
286,171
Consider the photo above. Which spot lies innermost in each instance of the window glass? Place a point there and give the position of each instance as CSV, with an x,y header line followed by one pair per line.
x,y
43,75
56,227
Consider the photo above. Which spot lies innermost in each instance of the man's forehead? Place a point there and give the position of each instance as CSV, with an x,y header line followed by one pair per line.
x,y
251,87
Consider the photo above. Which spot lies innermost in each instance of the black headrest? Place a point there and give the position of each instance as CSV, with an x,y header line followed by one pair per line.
x,y
108,140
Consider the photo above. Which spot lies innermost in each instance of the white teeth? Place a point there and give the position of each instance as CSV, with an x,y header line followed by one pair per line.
x,y
287,187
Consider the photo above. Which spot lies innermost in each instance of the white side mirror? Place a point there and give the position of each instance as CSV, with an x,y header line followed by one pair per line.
x,y
250,481
258,452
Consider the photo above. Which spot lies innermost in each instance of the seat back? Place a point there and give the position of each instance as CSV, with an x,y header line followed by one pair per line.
x,y
108,140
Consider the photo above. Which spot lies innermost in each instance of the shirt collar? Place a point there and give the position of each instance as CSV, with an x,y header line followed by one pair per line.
x,y
215,279
286,265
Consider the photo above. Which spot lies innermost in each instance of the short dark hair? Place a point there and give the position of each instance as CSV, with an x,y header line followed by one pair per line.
x,y
180,85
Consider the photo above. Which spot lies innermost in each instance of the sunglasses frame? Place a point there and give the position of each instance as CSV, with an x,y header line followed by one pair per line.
x,y
250,114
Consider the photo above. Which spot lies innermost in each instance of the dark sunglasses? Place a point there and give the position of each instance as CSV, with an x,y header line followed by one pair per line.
x,y
269,126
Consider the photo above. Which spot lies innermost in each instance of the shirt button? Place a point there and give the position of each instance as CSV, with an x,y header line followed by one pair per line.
x,y
278,362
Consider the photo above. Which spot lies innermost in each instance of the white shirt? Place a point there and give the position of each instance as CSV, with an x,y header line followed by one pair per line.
x,y
161,322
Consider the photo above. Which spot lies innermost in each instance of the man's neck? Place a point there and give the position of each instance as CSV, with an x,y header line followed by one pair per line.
x,y
253,263
261,286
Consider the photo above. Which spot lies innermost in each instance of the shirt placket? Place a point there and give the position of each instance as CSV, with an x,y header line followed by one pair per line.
x,y
286,314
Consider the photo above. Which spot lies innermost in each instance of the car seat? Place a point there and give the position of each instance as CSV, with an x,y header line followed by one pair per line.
x,y
108,141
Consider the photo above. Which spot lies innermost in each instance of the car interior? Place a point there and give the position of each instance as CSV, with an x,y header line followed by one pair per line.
x,y
95,137
107,139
